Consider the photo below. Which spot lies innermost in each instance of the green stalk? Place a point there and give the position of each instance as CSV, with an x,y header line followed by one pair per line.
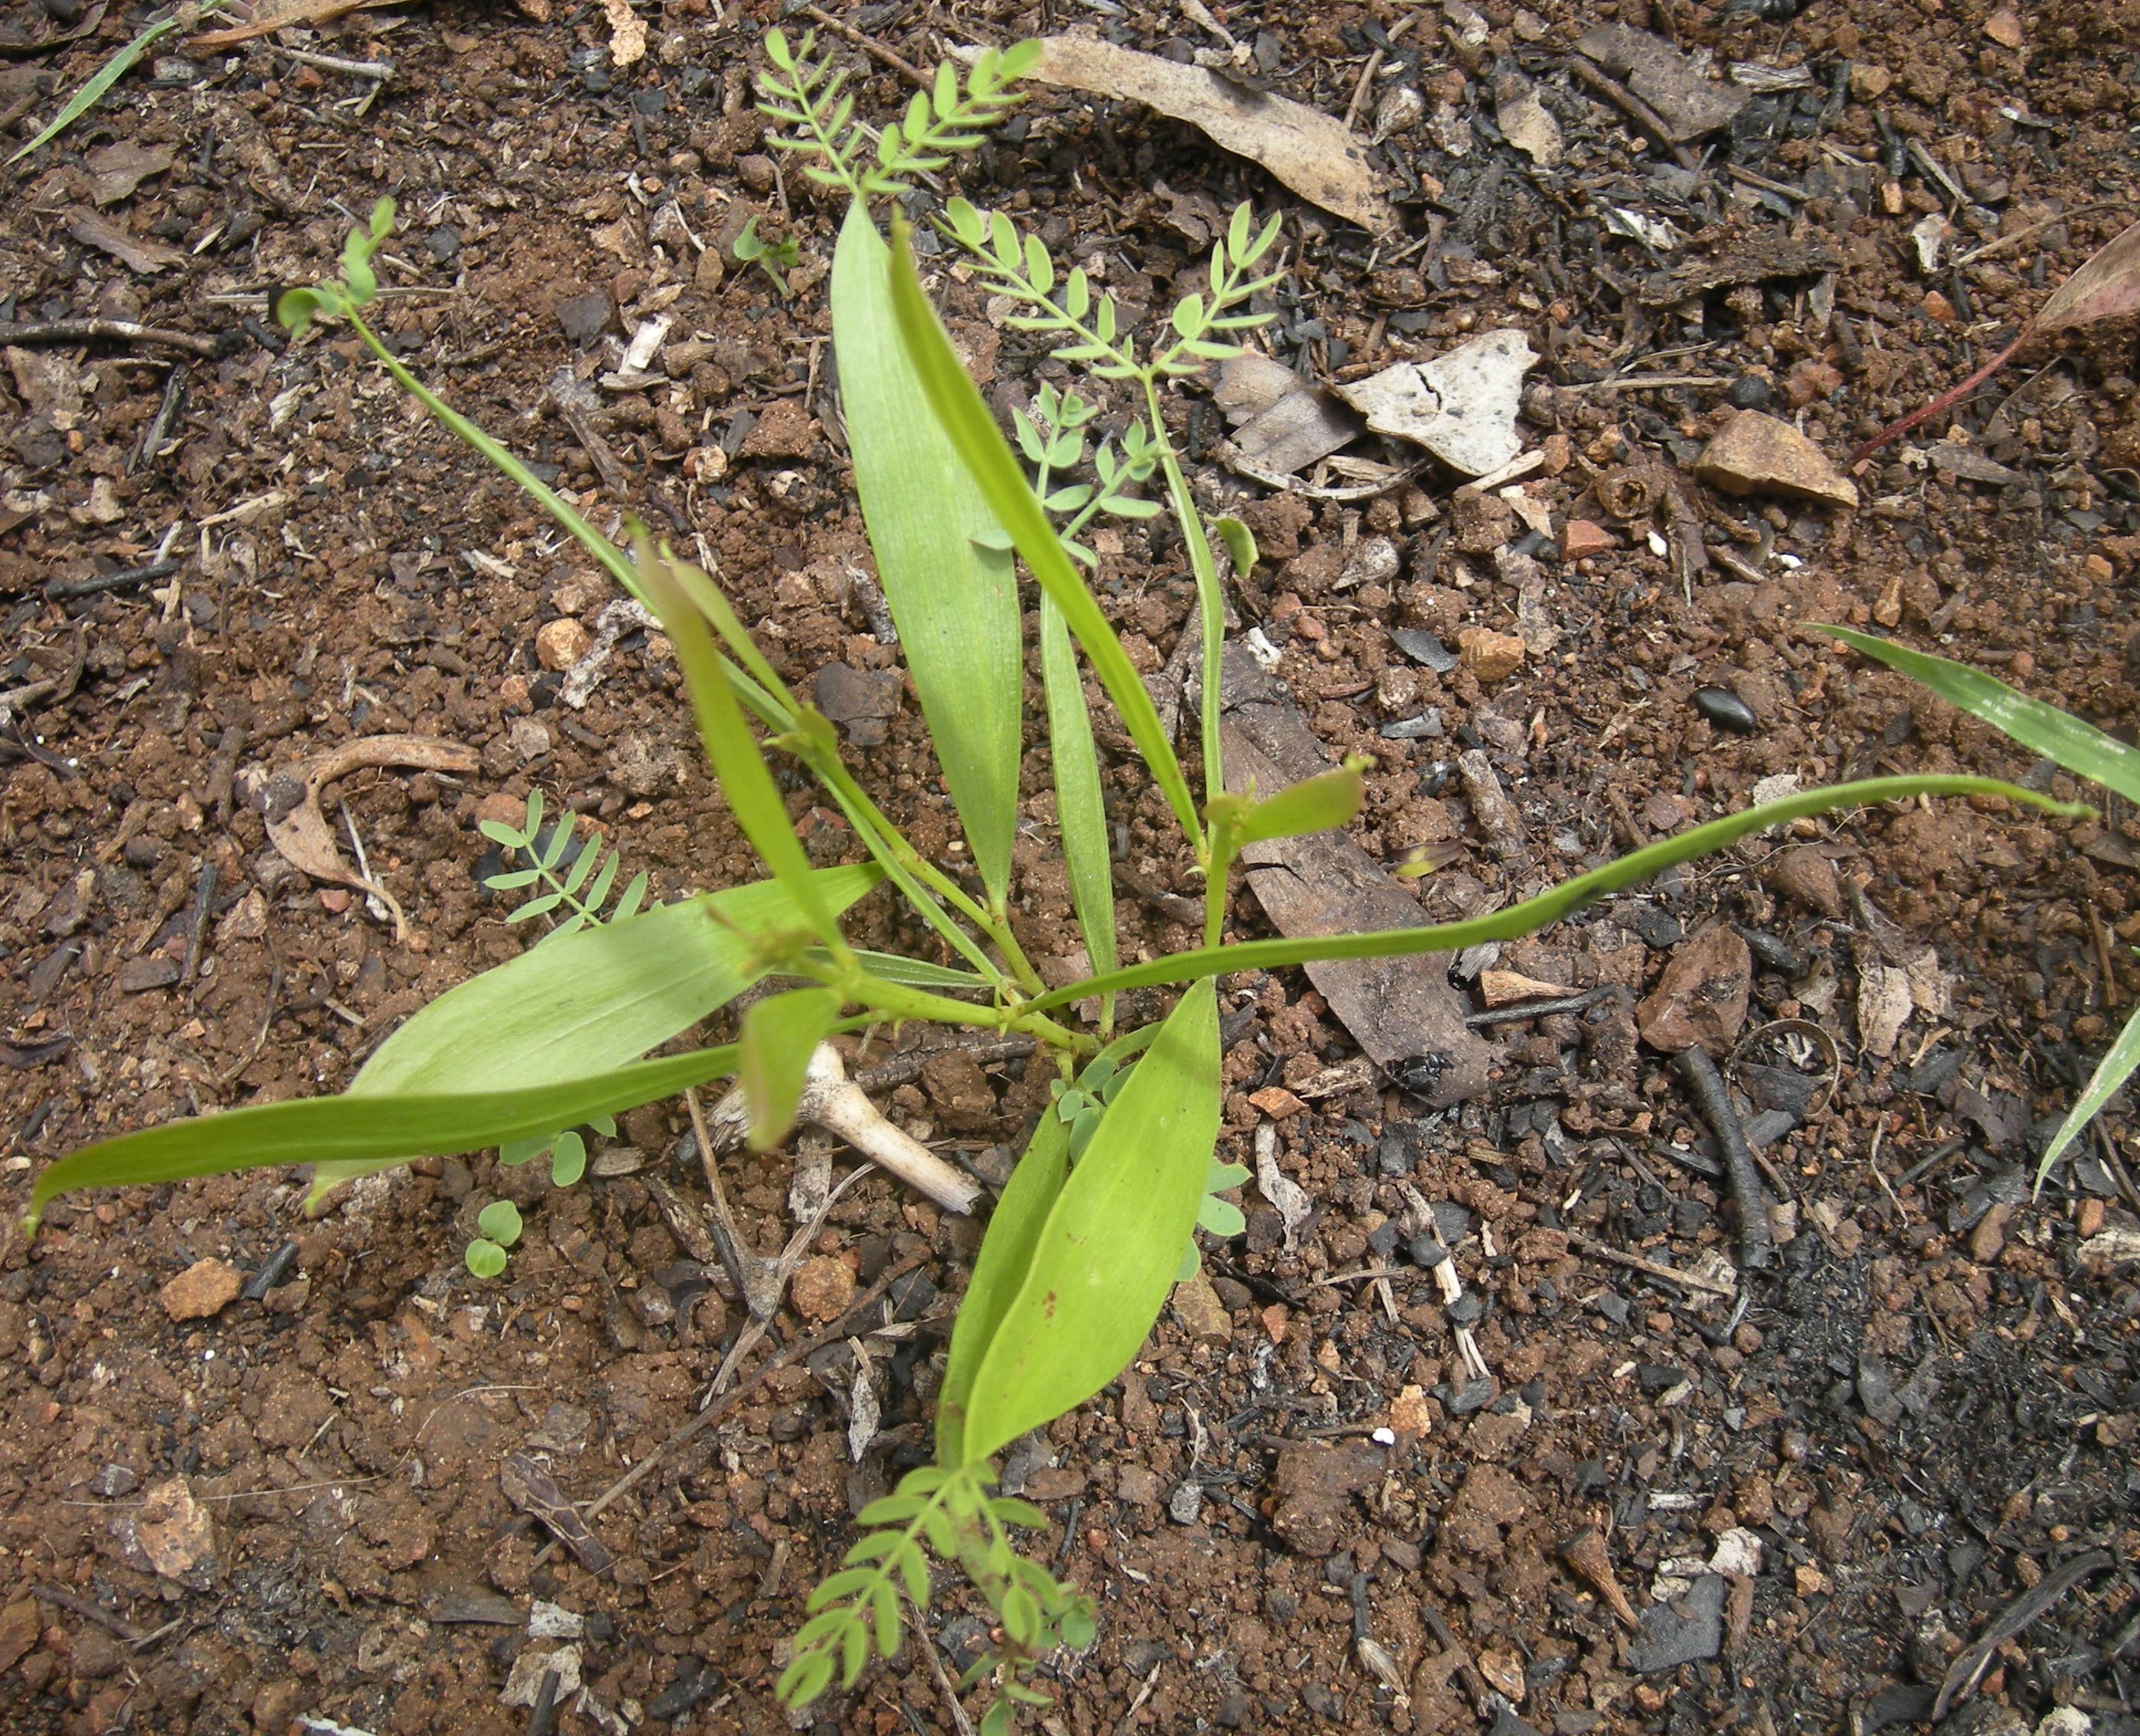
x,y
1211,604
1519,919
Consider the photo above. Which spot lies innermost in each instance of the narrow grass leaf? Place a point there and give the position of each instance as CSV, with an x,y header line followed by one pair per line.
x,y
102,80
602,996
1080,810
779,1033
953,597
358,1134
1320,803
2110,1074
1535,913
1104,1260
2078,745
964,415
753,796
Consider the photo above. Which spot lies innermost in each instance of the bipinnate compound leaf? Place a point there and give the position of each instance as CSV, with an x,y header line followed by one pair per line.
x,y
1104,1260
939,556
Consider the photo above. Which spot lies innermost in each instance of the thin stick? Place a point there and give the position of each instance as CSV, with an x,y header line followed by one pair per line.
x,y
379,69
1655,1268
61,590
1635,109
876,50
116,331
83,1606
1706,1086
1946,401
720,1407
197,926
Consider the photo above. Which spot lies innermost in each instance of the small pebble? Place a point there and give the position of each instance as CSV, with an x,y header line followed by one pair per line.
x,y
1426,1251
1750,391
823,1287
203,1290
1726,710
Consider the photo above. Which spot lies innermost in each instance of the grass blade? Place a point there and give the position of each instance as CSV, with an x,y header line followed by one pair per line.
x,y
593,1000
959,408
1081,811
954,599
2110,1074
753,796
358,1133
2078,745
1535,913
1106,1258
102,80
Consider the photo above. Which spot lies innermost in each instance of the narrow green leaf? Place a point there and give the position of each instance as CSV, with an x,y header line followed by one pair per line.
x,y
1081,810
1535,913
962,414
2074,743
2110,1074
779,1034
634,894
919,972
1106,1258
1240,544
101,80
753,796
353,1134
1320,803
498,833
598,893
513,882
890,1510
595,1000
953,597
804,1680
884,1600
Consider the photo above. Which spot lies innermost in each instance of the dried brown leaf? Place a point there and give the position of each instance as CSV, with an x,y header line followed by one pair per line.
x,y
1318,157
2107,285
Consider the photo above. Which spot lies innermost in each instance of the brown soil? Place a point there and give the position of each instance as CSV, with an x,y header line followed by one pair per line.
x,y
1930,1402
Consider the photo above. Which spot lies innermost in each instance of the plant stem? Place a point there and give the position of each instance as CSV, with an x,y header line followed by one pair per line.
x,y
1211,604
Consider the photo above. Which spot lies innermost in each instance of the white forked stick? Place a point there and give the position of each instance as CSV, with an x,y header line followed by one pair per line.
x,y
834,1102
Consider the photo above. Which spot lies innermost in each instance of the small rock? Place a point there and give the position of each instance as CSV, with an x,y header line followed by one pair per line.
x,y
1503,1670
1810,380
561,642
1580,538
1313,1483
1202,1315
1802,872
1988,1240
1702,996
2066,1721
159,970
245,921
1749,391
822,1288
1756,453
858,700
1139,1485
2004,27
1490,656
1482,522
111,1484
1185,1505
756,171
783,430
174,1533
203,1290
1277,1102
1726,710
1684,1632
529,740
20,1626
584,318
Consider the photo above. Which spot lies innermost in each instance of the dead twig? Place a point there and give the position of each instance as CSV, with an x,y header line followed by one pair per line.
x,y
1706,1085
1968,1668
112,331
1635,109
869,46
1655,1268
91,1611
720,1407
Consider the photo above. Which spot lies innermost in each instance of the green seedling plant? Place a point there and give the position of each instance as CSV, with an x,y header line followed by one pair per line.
x,y
1098,1217
775,258
2082,749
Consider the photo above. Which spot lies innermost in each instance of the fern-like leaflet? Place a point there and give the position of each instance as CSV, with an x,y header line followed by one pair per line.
x,y
580,882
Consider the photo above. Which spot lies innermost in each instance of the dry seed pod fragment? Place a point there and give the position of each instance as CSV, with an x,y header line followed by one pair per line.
x,y
1587,1558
